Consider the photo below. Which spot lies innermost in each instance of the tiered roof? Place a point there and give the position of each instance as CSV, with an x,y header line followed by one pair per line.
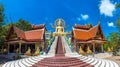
x,y
38,27
87,34
32,35
85,27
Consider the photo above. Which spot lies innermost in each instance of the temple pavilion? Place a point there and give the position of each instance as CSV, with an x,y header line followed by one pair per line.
x,y
84,36
26,40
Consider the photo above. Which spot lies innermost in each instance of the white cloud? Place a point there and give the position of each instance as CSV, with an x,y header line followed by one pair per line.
x,y
107,8
84,17
111,24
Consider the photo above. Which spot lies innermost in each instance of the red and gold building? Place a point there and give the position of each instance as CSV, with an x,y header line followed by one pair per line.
x,y
22,40
88,36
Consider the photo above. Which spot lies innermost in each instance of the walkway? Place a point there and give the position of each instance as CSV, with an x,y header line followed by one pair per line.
x,y
59,48
60,60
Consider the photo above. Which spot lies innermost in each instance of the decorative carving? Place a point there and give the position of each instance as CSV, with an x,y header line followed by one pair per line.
x,y
13,36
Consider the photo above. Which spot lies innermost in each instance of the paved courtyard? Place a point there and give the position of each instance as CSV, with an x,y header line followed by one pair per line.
x,y
115,58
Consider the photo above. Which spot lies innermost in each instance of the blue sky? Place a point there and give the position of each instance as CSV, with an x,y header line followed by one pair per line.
x,y
72,11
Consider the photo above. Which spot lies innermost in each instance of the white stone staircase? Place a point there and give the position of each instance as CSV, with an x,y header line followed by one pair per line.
x,y
65,45
51,52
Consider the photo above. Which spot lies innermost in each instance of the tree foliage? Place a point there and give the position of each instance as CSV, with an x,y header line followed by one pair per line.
x,y
118,24
1,23
1,14
23,25
118,5
118,20
113,40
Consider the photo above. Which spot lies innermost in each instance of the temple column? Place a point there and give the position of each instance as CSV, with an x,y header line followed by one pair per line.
x,y
93,47
74,46
8,47
20,43
43,46
102,50
37,45
14,47
25,47
77,47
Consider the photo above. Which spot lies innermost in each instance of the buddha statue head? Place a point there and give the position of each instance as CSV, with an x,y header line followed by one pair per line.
x,y
60,22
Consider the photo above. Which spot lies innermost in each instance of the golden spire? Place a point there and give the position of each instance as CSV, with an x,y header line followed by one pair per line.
x,y
99,21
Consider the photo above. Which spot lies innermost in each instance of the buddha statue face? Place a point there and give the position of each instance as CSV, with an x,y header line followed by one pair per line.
x,y
60,22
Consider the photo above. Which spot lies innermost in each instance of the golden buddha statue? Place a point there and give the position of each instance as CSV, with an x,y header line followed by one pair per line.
x,y
59,25
109,50
28,52
89,51
81,51
37,52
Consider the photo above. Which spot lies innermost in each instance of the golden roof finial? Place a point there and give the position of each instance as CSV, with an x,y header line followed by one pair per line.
x,y
99,20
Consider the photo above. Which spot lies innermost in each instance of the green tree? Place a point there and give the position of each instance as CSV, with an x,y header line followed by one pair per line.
x,y
1,15
118,20
2,32
1,23
118,24
118,5
114,40
23,25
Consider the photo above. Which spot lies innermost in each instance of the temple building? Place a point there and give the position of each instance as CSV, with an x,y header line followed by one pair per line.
x,y
88,36
26,40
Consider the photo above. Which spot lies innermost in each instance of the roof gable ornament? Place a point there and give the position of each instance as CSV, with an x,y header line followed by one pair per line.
x,y
99,32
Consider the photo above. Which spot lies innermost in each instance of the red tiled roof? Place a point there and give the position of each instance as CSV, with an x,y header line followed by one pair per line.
x,y
86,27
19,32
80,34
38,27
32,35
